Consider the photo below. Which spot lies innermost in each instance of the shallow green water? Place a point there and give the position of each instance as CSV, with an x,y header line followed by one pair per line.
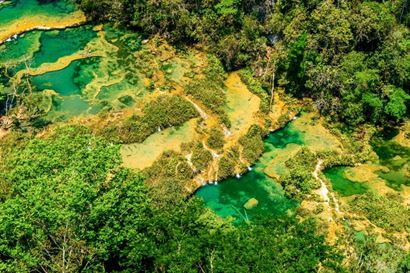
x,y
39,47
117,82
69,80
56,44
26,8
392,156
21,49
341,184
229,196
396,158
62,81
68,83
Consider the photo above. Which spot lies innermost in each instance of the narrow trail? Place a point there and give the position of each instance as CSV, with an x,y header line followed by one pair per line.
x,y
324,191
330,213
199,109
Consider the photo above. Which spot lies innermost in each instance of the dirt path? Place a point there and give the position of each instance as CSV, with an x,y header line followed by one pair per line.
x,y
329,213
198,108
324,191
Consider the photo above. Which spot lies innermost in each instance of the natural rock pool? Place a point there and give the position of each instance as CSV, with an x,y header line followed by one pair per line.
x,y
89,69
230,197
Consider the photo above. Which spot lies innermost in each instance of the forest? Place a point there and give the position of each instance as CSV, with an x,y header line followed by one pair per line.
x,y
350,57
204,136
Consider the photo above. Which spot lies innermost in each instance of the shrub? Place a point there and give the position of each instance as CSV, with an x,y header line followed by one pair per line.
x,y
163,112
200,157
216,139
252,144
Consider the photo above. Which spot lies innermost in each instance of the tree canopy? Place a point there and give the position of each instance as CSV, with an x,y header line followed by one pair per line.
x,y
351,57
66,205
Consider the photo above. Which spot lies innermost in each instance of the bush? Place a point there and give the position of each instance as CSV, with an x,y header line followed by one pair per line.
x,y
200,157
210,90
255,87
227,163
252,144
299,182
216,139
164,112
384,211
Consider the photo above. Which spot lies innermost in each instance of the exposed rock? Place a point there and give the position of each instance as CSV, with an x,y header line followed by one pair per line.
x,y
251,203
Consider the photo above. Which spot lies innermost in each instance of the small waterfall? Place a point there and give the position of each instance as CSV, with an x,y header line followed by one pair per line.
x,y
227,132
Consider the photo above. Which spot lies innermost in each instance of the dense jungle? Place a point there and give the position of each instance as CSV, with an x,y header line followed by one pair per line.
x,y
204,136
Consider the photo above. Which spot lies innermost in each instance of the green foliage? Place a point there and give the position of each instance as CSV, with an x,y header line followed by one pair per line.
x,y
396,107
372,256
384,211
404,264
341,54
72,208
294,64
227,163
55,185
3,97
252,144
248,248
299,182
200,157
210,90
216,139
163,112
168,177
226,7
255,87
229,28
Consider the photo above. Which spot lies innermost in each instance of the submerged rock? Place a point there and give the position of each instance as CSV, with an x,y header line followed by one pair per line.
x,y
251,203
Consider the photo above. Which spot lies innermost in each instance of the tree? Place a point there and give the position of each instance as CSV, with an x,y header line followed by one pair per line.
x,y
396,107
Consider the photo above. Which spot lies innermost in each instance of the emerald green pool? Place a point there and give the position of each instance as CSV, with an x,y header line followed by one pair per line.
x,y
16,51
61,81
25,8
227,199
343,185
39,47
56,44
396,158
115,82
68,83
69,80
